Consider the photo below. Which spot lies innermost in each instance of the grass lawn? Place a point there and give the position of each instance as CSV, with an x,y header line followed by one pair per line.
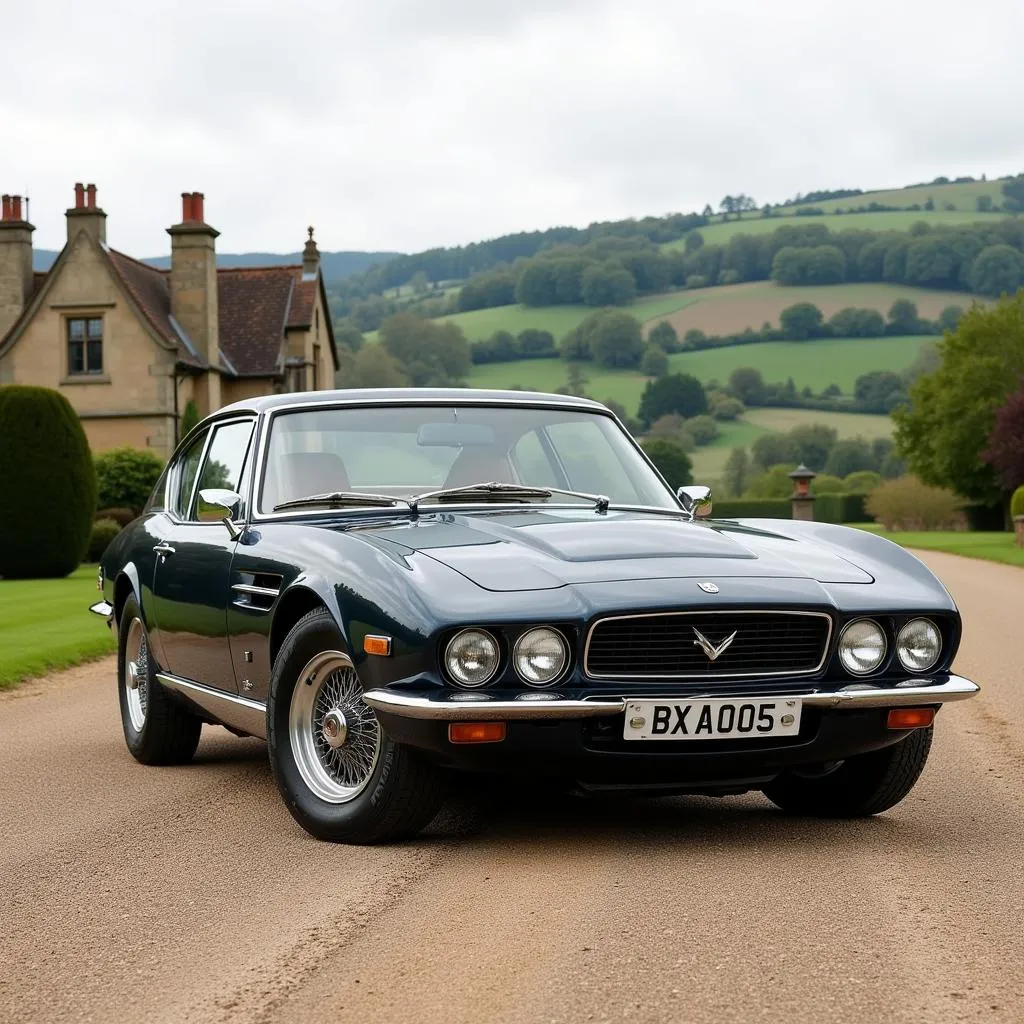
x,y
47,625
992,547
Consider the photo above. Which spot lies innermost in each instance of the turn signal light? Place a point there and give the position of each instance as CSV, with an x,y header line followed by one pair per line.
x,y
377,645
911,718
476,732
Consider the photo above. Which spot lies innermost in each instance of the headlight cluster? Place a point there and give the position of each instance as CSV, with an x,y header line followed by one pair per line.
x,y
473,656
863,646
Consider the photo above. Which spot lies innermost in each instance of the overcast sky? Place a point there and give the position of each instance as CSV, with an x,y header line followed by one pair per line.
x,y
404,124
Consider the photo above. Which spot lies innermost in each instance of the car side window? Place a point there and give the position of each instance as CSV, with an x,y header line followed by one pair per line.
x,y
532,462
188,467
225,458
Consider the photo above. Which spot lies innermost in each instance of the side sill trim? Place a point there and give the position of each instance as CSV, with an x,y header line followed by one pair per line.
x,y
854,697
246,715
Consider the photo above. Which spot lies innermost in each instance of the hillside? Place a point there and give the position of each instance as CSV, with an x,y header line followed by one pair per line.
x,y
336,265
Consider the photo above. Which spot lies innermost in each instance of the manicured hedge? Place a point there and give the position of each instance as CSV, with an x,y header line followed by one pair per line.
x,y
984,517
841,508
828,508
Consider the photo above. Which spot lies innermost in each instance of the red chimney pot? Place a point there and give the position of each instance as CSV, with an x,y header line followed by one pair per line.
x,y
6,200
15,207
197,207
186,207
90,191
79,195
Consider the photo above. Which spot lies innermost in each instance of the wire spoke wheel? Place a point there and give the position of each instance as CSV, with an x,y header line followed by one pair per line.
x,y
136,674
334,736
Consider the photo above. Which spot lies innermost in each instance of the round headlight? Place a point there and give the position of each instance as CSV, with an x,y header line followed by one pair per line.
x,y
540,656
472,657
862,647
918,645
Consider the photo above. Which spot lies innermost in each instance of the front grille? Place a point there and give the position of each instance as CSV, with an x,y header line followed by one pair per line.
x,y
665,646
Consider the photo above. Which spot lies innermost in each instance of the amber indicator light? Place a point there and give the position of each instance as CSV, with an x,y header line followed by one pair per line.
x,y
911,718
476,732
380,645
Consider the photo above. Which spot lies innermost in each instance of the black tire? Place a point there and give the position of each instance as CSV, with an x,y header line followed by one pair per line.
x,y
861,786
169,734
402,793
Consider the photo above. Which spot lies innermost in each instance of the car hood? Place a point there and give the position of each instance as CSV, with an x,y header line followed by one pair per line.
x,y
542,550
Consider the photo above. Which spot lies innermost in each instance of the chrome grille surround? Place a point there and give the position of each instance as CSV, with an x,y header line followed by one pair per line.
x,y
711,673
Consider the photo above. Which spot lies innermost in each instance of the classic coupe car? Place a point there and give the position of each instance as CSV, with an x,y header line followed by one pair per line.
x,y
392,585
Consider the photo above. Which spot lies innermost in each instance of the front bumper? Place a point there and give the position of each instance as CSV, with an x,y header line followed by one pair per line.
x,y
478,707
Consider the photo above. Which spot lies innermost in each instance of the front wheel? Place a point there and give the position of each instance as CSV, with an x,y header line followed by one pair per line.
x,y
342,778
861,786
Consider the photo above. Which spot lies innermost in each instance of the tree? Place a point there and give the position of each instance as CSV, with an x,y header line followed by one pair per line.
x,y
825,264
707,211
534,342
952,411
1013,193
694,338
851,455
189,418
675,392
789,265
536,284
347,334
629,422
703,429
654,362
997,270
568,277
47,484
727,409
664,335
747,384
371,367
577,382
773,483
857,323
879,391
605,284
903,318
812,444
430,352
927,360
671,460
773,450
1005,450
419,283
692,242
609,336
736,472
983,204
949,318
802,321
125,478
863,481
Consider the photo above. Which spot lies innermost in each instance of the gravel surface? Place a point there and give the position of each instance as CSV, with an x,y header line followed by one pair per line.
x,y
188,894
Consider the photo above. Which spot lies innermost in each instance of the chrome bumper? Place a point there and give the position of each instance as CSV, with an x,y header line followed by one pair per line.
x,y
104,608
455,707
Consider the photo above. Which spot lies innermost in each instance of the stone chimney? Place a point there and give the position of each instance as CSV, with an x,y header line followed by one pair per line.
x,y
15,260
193,281
86,216
310,256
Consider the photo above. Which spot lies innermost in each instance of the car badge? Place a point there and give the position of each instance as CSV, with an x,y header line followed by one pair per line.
x,y
713,652
708,587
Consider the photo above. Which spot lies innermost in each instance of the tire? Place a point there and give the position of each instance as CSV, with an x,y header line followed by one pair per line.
x,y
363,789
156,729
861,786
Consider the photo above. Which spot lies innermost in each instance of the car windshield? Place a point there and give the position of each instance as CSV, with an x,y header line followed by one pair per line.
x,y
410,450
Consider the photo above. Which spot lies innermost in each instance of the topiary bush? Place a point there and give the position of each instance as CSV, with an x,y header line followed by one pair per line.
x,y
126,477
103,532
1017,502
47,484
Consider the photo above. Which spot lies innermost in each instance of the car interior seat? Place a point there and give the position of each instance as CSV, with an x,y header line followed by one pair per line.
x,y
480,466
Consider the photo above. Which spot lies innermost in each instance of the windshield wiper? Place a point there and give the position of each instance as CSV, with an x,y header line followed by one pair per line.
x,y
341,499
495,491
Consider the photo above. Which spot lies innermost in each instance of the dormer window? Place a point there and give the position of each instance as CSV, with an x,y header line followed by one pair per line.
x,y
85,345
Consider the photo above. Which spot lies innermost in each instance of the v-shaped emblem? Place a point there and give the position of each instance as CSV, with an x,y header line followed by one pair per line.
x,y
713,652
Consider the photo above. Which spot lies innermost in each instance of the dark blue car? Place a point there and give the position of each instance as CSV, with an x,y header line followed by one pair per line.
x,y
390,586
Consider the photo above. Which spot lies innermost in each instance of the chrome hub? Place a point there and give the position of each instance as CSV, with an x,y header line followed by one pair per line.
x,y
335,728
133,675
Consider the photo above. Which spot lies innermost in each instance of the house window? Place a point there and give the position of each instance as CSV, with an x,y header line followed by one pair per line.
x,y
85,345
316,367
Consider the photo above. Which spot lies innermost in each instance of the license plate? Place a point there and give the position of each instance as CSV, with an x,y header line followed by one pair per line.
x,y
718,719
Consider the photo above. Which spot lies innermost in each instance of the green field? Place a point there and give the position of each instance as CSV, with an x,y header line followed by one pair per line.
x,y
992,547
901,220
46,625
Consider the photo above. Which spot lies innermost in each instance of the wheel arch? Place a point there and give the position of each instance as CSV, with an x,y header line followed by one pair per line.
x,y
297,601
126,585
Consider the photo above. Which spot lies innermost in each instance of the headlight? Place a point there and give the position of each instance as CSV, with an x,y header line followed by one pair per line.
x,y
540,656
862,647
472,657
918,645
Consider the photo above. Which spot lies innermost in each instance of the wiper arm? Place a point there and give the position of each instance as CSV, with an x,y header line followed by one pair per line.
x,y
342,499
495,491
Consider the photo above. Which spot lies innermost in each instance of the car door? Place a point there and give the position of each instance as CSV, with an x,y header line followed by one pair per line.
x,y
191,585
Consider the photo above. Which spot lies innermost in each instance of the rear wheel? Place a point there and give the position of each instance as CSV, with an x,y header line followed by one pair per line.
x,y
860,786
156,729
342,778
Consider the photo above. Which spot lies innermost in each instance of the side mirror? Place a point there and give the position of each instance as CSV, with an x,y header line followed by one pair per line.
x,y
696,500
217,505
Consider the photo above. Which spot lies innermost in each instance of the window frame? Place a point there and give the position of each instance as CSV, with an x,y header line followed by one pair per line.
x,y
85,318
192,514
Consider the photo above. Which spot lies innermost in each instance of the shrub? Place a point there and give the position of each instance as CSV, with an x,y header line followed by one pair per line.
x,y
1017,502
103,532
826,483
126,477
121,516
47,484
909,504
671,460
190,417
703,428
775,483
727,409
864,481
841,508
696,281
654,362
753,508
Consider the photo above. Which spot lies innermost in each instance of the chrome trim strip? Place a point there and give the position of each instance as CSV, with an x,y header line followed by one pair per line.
x,y
854,697
104,608
248,588
411,706
705,675
239,712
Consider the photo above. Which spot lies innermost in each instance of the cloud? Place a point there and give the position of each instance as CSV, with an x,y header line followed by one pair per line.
x,y
403,124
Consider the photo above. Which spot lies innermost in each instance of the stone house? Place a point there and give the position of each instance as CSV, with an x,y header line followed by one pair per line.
x,y
130,345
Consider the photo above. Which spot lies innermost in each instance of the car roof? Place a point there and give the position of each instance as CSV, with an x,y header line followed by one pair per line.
x,y
412,396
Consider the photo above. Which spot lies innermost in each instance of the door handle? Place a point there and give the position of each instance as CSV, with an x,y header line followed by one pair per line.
x,y
163,549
